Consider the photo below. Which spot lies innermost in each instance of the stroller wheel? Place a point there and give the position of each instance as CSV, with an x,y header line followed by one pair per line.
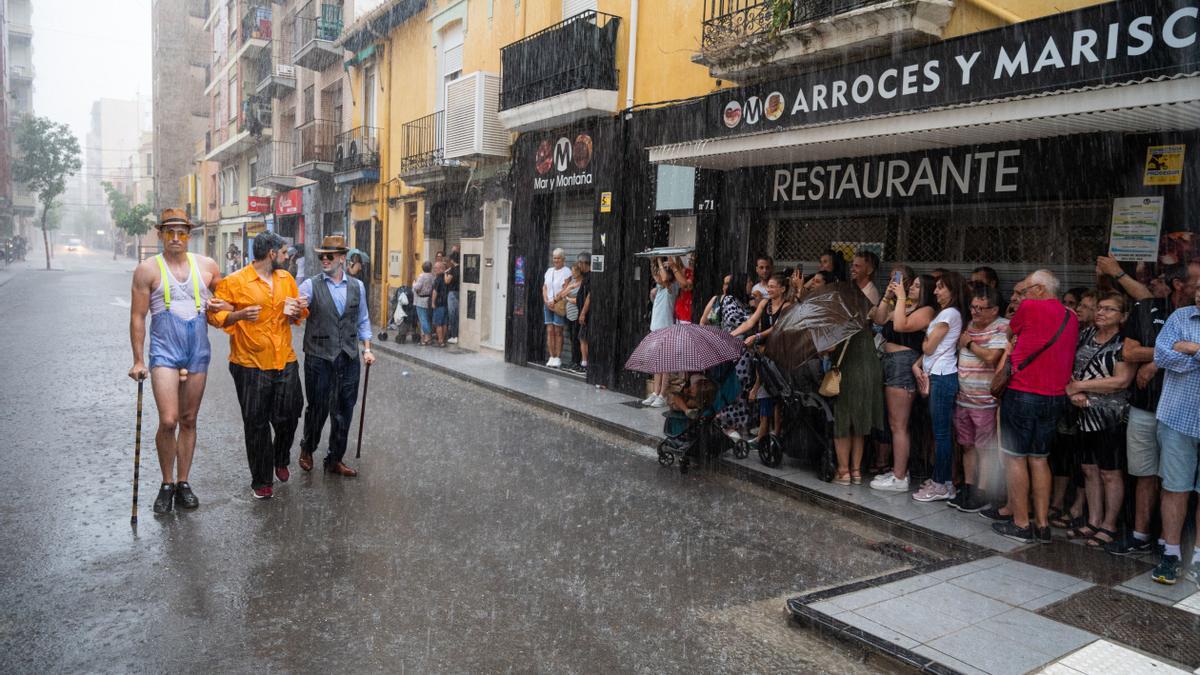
x,y
665,457
382,335
741,449
770,453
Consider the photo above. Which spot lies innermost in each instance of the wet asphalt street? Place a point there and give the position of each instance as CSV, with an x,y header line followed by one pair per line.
x,y
482,535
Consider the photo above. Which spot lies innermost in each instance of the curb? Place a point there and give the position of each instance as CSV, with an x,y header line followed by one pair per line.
x,y
952,547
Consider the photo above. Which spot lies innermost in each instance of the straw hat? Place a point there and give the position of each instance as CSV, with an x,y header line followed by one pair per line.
x,y
334,243
174,217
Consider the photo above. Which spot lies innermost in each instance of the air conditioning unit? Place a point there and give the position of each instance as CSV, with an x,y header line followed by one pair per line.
x,y
473,126
282,70
260,192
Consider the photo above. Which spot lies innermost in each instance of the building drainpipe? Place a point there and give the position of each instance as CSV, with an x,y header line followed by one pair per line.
x,y
632,60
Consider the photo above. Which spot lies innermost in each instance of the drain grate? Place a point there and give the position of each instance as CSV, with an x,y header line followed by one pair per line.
x,y
1085,563
905,553
1153,628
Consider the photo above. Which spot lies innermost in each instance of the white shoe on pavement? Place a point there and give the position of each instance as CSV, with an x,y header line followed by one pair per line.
x,y
554,362
658,402
452,341
934,492
889,483
649,399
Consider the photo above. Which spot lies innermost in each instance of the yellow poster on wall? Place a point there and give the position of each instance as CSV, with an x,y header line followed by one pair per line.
x,y
1164,165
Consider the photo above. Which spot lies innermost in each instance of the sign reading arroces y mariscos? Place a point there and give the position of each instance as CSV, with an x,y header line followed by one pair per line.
x,y
1111,43
563,163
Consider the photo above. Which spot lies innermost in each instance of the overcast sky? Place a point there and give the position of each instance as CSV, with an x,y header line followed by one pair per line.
x,y
88,49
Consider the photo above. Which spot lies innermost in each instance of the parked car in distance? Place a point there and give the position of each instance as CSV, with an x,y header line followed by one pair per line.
x,y
74,243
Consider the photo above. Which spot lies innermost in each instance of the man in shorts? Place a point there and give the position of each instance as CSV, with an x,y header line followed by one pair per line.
x,y
1042,360
179,349
979,350
1177,352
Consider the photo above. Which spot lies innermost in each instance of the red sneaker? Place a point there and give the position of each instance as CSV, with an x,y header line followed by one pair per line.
x,y
263,492
282,473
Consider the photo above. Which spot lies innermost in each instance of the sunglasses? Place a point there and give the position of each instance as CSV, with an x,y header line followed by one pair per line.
x,y
171,235
326,256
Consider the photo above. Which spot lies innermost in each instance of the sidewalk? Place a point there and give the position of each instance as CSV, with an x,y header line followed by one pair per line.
x,y
995,607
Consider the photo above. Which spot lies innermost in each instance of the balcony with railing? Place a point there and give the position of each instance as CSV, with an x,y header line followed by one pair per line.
x,y
316,143
318,26
256,27
276,74
423,162
20,73
579,81
275,165
356,157
752,39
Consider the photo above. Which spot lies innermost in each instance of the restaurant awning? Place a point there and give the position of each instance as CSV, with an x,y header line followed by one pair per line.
x,y
1159,105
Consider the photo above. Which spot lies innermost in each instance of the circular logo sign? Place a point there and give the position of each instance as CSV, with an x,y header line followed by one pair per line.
x,y
775,105
733,114
582,151
562,154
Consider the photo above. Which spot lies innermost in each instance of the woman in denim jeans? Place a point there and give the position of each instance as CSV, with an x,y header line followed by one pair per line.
x,y
937,376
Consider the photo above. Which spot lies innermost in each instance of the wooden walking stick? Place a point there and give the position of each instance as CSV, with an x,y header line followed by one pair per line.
x,y
137,452
362,414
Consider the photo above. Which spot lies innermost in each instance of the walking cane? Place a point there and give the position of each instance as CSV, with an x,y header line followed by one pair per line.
x,y
362,414
137,453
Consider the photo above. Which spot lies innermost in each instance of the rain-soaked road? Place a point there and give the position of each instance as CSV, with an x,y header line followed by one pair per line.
x,y
482,536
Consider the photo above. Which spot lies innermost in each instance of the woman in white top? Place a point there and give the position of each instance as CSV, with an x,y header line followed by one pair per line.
x,y
937,375
556,275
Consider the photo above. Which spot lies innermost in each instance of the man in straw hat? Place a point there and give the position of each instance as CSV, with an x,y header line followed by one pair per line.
x,y
337,321
175,287
260,305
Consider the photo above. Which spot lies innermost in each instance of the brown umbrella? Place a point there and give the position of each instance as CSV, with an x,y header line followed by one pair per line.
x,y
822,321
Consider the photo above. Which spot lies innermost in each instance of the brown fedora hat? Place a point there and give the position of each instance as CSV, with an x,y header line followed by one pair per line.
x,y
334,243
174,217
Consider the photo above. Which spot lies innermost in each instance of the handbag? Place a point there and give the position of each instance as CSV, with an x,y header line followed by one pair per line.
x,y
1004,372
831,384
714,316
559,307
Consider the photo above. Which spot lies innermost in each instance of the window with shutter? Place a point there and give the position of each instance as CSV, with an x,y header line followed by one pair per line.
x,y
573,7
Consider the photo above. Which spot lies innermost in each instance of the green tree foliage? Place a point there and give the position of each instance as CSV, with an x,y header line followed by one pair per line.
x,y
131,218
48,152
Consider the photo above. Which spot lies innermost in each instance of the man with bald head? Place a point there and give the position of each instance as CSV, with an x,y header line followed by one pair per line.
x,y
1042,359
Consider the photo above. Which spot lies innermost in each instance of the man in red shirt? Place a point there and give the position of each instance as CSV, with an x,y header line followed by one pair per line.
x,y
684,276
1042,359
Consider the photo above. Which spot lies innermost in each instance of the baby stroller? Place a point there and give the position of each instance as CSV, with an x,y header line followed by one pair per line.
x,y
807,432
697,435
404,316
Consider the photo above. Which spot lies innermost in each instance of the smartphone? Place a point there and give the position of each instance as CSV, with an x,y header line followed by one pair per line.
x,y
896,277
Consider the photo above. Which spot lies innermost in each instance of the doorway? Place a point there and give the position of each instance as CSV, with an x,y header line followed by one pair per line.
x,y
499,287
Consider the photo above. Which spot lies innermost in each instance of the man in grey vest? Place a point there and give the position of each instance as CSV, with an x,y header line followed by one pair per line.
x,y
337,321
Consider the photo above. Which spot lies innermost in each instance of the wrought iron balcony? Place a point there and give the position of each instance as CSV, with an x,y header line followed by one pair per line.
x,y
318,26
577,53
423,162
742,38
274,164
20,73
276,74
356,158
255,28
315,146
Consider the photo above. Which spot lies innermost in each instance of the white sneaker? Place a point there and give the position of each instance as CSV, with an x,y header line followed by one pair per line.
x,y
550,362
889,483
658,402
452,341
733,435
555,362
934,492
649,399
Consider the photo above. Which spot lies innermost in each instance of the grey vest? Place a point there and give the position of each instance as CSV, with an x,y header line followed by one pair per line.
x,y
325,333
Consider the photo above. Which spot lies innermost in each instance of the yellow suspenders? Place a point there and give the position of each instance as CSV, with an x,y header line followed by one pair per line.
x,y
166,281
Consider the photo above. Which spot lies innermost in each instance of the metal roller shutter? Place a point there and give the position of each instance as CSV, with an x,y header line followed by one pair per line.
x,y
453,232
571,225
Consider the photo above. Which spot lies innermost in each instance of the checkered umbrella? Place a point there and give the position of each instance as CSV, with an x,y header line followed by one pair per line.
x,y
684,347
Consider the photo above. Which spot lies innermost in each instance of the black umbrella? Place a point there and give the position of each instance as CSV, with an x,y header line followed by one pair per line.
x,y
823,320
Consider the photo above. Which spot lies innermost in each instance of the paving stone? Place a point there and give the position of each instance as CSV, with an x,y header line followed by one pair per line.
x,y
953,523
1190,604
947,660
1037,632
911,584
1055,581
995,584
827,608
1083,563
863,598
1103,656
989,652
1045,601
989,539
863,623
959,603
966,568
1170,594
913,619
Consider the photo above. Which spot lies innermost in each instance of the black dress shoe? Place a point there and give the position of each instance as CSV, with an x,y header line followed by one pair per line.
x,y
166,498
184,497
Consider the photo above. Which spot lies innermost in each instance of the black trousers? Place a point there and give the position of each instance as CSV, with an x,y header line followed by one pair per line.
x,y
270,400
332,388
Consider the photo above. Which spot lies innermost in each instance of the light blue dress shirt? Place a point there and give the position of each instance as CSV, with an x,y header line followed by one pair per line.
x,y
338,291
1177,408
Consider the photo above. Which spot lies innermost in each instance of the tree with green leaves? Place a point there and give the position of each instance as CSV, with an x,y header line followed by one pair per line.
x,y
48,152
132,219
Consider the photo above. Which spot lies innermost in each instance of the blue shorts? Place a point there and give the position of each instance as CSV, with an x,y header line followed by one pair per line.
x,y
439,316
551,319
175,343
766,407
1028,422
1177,465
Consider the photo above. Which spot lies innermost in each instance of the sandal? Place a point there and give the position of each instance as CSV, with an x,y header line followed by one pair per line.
x,y
1085,532
1065,521
1095,541
841,479
856,478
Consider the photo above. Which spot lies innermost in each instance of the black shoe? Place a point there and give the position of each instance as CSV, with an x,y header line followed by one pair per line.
x,y
993,513
1009,530
184,497
975,502
166,498
960,496
1128,545
1043,535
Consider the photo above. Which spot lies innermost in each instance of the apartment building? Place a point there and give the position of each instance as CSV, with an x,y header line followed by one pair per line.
x,y
17,204
113,149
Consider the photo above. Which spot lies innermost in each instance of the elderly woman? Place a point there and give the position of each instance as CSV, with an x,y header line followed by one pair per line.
x,y
553,281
